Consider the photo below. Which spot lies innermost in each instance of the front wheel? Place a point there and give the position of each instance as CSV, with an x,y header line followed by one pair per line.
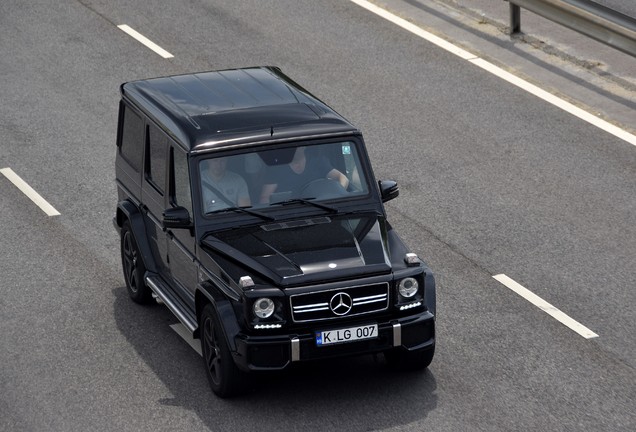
x,y
401,359
134,268
225,378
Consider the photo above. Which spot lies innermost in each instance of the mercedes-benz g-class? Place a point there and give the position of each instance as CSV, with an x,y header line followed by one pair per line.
x,y
250,209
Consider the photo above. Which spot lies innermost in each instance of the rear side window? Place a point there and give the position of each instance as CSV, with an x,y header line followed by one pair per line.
x,y
156,160
132,138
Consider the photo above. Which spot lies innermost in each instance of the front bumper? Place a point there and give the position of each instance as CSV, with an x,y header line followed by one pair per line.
x,y
253,353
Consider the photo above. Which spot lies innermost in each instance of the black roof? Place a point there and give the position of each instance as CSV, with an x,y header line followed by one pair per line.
x,y
230,107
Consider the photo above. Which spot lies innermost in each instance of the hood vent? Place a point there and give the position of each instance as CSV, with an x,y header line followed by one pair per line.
x,y
296,224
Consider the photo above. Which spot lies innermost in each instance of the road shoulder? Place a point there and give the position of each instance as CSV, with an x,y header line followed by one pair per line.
x,y
579,70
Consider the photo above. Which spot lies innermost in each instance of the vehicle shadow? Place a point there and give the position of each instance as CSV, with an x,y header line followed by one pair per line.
x,y
356,394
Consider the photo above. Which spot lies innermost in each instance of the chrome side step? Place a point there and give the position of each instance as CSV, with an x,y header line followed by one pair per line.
x,y
173,303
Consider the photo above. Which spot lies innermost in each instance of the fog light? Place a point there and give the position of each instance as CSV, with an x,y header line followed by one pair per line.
x,y
263,307
408,287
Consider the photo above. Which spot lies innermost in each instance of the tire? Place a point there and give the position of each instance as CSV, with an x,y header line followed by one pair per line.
x,y
133,266
400,359
225,378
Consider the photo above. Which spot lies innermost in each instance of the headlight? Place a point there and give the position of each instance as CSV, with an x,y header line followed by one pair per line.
x,y
408,287
264,307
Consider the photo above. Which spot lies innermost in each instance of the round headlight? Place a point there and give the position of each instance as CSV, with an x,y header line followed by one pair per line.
x,y
263,307
408,287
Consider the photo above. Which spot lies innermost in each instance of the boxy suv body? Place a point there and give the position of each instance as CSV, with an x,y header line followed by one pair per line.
x,y
250,209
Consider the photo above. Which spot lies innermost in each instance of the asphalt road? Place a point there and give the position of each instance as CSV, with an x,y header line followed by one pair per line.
x,y
493,180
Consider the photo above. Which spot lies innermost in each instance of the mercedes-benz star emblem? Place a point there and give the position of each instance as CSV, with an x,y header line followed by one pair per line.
x,y
341,303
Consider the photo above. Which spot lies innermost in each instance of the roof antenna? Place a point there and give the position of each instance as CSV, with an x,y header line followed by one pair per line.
x,y
271,131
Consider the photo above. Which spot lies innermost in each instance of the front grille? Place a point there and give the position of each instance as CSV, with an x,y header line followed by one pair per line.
x,y
340,302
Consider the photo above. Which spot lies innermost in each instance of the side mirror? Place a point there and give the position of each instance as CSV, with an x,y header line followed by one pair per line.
x,y
176,217
388,190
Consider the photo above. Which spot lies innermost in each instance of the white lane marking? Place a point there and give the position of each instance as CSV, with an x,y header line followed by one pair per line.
x,y
545,306
187,336
415,29
29,192
144,40
556,101
497,71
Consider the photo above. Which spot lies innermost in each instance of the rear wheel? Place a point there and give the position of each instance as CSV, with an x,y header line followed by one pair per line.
x,y
400,359
225,378
134,268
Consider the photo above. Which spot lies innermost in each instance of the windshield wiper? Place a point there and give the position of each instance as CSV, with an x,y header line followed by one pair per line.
x,y
243,210
306,201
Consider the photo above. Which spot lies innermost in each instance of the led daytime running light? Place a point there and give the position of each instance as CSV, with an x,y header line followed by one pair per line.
x,y
267,326
410,306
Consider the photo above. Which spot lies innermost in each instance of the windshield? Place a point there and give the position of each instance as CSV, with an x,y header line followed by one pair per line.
x,y
280,176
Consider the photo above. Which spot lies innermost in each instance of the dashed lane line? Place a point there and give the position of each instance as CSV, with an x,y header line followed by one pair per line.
x,y
29,192
145,41
545,306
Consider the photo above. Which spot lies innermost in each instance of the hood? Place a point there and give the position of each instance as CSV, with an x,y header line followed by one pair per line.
x,y
308,250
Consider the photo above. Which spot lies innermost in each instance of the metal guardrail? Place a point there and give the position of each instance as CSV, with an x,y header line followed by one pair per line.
x,y
584,16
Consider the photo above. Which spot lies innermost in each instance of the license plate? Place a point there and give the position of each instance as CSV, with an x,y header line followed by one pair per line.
x,y
346,335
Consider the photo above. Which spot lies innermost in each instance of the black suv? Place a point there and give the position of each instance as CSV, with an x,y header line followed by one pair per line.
x,y
249,208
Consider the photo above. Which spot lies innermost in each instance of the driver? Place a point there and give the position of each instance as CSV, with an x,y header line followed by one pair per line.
x,y
298,173
222,188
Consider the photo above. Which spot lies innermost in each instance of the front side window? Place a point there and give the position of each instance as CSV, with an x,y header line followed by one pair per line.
x,y
266,178
181,180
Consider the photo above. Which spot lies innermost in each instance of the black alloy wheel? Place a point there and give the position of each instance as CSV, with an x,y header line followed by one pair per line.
x,y
225,378
133,266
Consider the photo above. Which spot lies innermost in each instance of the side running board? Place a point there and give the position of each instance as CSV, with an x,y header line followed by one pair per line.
x,y
175,304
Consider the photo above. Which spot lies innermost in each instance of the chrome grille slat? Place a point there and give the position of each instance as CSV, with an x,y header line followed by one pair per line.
x,y
380,296
310,310
356,303
311,306
314,306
